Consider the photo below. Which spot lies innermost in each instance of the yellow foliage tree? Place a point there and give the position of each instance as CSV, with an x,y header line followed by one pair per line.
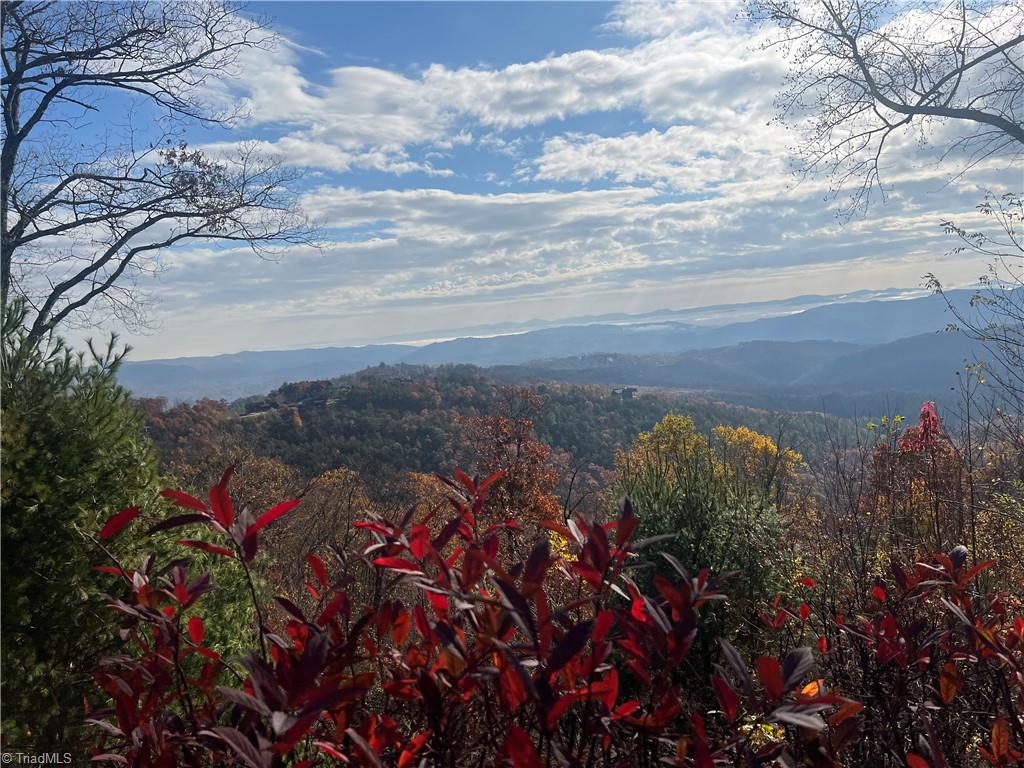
x,y
700,499
748,457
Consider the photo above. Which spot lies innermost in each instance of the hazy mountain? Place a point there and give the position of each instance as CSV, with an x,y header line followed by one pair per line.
x,y
643,338
706,316
867,322
927,362
740,367
248,373
718,364
836,376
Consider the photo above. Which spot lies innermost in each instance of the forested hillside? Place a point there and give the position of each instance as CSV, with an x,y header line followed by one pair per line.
x,y
413,418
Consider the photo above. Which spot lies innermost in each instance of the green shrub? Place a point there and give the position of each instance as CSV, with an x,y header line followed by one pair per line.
x,y
73,452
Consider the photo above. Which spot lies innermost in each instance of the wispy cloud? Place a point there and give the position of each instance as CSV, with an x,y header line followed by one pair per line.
x,y
644,173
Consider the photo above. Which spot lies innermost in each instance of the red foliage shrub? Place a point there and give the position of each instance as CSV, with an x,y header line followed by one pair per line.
x,y
482,667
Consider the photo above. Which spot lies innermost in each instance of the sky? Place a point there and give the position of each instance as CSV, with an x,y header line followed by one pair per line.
x,y
473,164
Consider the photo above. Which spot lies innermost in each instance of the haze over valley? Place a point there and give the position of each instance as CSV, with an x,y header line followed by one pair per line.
x,y
837,355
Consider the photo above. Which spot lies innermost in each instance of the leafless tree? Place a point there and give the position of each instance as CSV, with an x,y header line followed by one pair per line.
x,y
88,203
995,315
862,71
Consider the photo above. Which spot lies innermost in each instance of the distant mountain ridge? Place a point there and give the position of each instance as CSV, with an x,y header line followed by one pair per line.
x,y
839,377
706,316
839,330
247,373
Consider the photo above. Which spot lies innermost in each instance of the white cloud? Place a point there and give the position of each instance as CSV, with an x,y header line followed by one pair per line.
x,y
683,71
660,18
298,149
691,203
683,158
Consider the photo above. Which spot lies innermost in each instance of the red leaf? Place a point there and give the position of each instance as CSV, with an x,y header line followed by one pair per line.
x,y
640,671
178,520
520,749
571,644
402,689
463,478
183,499
879,594
206,547
220,499
822,645
627,523
438,602
1000,738
607,690
976,570
632,648
591,575
511,687
414,746
111,569
396,564
770,673
561,530
555,712
364,747
422,624
602,624
419,541
375,527
400,628
949,682
626,709
330,749
916,761
808,582
847,710
332,608
208,653
726,697
701,753
270,516
318,569
196,629
670,593
239,744
493,478
805,611
119,521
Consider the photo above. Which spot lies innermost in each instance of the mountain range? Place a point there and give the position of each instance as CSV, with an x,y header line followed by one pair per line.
x,y
878,346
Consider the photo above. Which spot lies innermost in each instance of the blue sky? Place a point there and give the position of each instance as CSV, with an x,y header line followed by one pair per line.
x,y
482,163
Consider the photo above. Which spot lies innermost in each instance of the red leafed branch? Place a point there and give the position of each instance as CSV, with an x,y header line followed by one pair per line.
x,y
467,655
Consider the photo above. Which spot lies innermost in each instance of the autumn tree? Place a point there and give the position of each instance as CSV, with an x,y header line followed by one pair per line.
x,y
505,441
863,72
331,503
185,433
757,461
700,504
83,220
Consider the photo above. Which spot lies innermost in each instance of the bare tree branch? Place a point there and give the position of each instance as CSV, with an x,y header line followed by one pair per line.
x,y
863,70
995,316
79,225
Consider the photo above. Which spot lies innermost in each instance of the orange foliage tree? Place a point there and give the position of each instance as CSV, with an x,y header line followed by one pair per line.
x,y
505,441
